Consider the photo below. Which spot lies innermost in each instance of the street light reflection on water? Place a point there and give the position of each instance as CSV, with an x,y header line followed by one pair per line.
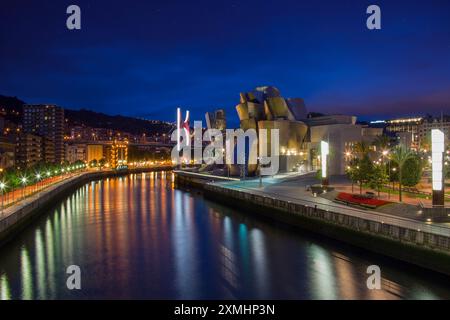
x,y
138,236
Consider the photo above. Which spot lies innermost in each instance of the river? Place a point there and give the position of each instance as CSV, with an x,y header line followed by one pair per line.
x,y
138,237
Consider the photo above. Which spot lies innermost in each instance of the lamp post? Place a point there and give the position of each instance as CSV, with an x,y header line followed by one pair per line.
x,y
259,171
2,188
24,182
48,174
385,154
393,182
389,189
38,179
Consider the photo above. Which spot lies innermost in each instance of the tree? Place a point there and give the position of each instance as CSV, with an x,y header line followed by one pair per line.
x,y
362,148
412,171
93,163
352,173
319,174
102,162
378,178
362,171
382,143
400,155
79,163
425,142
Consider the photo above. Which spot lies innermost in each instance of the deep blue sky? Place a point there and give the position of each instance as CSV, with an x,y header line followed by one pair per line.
x,y
144,58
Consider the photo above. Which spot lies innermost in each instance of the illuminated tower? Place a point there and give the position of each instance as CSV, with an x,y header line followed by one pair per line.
x,y
437,159
119,154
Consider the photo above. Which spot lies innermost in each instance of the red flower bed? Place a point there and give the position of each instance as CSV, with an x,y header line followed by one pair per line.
x,y
361,200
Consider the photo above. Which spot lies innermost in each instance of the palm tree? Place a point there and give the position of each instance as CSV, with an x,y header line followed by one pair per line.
x,y
400,155
362,148
381,143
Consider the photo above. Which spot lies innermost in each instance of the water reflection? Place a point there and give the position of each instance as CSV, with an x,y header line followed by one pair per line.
x,y
26,276
138,237
5,294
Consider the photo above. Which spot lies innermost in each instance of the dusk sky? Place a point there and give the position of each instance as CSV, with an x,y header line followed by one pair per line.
x,y
145,58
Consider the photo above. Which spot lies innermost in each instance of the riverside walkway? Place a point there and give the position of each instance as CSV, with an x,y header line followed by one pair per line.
x,y
16,195
20,198
292,188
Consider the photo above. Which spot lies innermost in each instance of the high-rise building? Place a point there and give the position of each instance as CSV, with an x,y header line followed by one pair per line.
x,y
429,123
117,154
48,150
28,150
94,152
7,152
47,121
76,152
410,125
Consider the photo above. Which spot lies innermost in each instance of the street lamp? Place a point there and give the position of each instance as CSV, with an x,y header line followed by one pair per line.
x,y
393,183
24,182
260,176
2,188
385,154
38,178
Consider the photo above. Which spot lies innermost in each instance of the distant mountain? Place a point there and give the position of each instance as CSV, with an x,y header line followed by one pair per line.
x,y
12,108
126,124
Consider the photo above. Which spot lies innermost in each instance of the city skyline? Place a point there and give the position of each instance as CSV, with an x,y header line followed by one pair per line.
x,y
160,56
224,157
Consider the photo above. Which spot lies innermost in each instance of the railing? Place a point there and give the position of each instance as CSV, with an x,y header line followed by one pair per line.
x,y
49,189
16,195
204,175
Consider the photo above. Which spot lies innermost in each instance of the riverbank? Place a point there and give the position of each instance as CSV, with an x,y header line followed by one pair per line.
x,y
419,243
14,218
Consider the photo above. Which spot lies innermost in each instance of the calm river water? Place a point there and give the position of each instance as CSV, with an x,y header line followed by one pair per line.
x,y
138,237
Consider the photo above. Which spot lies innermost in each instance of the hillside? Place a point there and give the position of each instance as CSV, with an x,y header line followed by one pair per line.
x,y
13,108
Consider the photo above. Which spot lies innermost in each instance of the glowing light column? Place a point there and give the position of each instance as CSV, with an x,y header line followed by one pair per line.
x,y
437,159
183,125
324,151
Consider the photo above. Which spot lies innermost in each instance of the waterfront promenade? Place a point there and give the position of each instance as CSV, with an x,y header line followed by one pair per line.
x,y
17,199
292,188
10,198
